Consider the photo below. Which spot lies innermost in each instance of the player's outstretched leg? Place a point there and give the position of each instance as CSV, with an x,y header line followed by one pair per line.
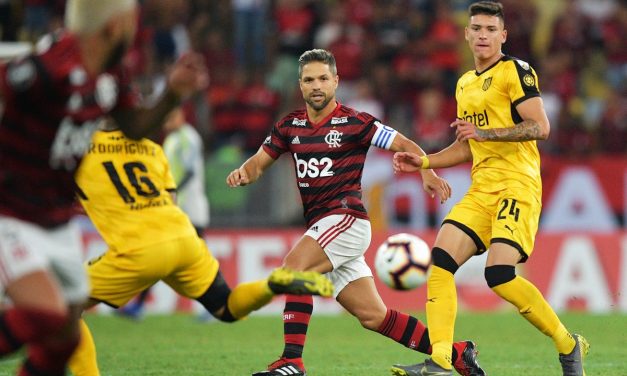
x,y
286,281
572,364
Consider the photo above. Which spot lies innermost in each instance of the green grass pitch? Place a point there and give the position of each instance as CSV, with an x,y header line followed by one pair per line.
x,y
337,345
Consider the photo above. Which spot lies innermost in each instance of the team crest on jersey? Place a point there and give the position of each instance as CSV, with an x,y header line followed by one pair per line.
x,y
486,83
106,92
299,122
333,138
340,120
529,80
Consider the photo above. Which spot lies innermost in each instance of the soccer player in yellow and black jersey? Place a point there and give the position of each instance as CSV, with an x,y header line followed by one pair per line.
x,y
500,117
124,186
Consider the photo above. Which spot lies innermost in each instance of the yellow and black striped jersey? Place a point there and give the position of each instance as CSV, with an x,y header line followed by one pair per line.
x,y
488,100
124,187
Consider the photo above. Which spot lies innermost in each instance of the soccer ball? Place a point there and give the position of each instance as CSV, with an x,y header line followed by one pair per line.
x,y
402,262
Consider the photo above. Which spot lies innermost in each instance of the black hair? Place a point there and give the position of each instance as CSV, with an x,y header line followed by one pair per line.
x,y
491,8
320,55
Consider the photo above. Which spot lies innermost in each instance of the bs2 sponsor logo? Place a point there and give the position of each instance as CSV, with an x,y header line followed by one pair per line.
x,y
313,167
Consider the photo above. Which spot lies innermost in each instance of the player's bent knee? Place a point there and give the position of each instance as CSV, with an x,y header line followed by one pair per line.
x,y
215,299
443,260
499,274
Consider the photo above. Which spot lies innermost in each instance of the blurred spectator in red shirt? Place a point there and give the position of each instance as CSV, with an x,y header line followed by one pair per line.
x,y
572,33
614,32
441,42
613,128
520,18
433,112
258,110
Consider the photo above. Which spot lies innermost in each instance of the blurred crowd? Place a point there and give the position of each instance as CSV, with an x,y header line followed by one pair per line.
x,y
397,59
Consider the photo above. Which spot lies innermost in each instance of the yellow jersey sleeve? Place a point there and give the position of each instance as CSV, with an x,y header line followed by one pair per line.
x,y
488,100
123,187
522,81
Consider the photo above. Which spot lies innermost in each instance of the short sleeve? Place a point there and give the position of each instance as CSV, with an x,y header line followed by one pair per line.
x,y
522,82
275,144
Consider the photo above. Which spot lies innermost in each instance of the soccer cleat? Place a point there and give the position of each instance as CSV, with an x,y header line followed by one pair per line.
x,y
284,367
428,368
466,363
286,281
572,364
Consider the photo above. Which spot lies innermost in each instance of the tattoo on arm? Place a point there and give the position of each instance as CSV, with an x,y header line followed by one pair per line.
x,y
526,130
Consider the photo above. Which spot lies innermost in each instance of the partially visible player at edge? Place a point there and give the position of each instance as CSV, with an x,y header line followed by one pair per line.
x,y
53,99
500,117
125,186
328,142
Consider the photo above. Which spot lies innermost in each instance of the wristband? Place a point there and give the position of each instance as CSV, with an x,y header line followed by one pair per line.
x,y
425,162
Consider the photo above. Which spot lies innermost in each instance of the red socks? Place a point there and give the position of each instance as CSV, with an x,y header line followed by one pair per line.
x,y
296,316
48,348
406,330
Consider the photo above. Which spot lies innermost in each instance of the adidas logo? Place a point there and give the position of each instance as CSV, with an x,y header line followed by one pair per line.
x,y
288,370
296,140
315,228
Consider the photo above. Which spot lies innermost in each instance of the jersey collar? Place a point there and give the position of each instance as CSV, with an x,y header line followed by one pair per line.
x,y
325,119
491,66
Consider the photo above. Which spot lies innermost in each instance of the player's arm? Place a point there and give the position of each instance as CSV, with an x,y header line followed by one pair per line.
x,y
141,122
454,154
250,170
187,76
432,183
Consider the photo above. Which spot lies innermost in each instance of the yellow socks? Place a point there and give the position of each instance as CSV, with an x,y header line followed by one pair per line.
x,y
441,314
248,297
83,362
535,309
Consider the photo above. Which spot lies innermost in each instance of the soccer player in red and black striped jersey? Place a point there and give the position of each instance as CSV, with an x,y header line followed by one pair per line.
x,y
328,143
52,101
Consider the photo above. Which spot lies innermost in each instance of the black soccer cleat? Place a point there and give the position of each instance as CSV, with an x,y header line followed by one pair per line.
x,y
466,363
283,367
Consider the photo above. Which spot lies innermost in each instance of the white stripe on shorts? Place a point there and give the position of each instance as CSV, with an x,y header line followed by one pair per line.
x,y
334,231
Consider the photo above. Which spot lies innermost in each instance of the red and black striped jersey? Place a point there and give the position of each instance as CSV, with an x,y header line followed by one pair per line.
x,y
329,157
51,106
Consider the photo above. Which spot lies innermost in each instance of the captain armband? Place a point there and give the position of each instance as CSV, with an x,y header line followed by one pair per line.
x,y
384,136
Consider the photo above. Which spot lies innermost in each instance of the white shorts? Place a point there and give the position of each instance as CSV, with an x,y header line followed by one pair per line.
x,y
26,248
345,240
